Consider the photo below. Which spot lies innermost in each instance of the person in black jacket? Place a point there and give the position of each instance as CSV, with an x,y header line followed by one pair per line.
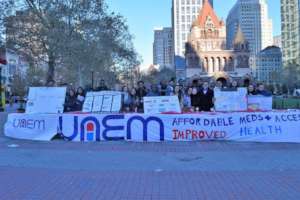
x,y
102,86
141,92
195,98
206,98
71,103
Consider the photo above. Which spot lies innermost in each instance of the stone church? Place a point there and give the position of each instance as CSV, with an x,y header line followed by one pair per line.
x,y
206,53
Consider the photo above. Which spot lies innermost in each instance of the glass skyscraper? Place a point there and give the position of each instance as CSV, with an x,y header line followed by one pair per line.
x,y
290,31
184,12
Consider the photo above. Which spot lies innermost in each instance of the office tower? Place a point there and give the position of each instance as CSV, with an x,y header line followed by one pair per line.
x,y
252,17
163,48
290,31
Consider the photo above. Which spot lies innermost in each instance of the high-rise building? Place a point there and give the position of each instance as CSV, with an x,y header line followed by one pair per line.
x,y
252,17
268,65
184,12
290,31
163,48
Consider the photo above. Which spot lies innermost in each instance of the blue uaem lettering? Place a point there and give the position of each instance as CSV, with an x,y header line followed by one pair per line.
x,y
109,128
29,124
82,128
95,126
145,123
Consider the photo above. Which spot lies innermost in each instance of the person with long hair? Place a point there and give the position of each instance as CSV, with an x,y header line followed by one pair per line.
x,y
80,95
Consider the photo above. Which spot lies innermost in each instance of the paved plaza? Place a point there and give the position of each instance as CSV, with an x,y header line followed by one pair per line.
x,y
148,171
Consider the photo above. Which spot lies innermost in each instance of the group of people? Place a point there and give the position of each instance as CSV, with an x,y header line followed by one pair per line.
x,y
196,96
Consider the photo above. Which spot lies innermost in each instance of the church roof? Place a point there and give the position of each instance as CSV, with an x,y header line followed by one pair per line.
x,y
239,37
205,12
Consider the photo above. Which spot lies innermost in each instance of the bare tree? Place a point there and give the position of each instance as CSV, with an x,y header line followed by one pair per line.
x,y
73,37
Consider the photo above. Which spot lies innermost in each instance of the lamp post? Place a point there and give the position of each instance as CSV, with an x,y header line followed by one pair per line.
x,y
92,79
2,62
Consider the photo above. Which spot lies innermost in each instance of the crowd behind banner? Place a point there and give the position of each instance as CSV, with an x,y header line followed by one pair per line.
x,y
194,97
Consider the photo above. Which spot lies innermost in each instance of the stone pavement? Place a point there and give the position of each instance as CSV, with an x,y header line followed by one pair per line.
x,y
148,171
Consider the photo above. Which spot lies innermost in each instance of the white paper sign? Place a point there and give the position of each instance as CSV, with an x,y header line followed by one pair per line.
x,y
104,101
88,102
162,104
32,126
227,101
46,100
260,103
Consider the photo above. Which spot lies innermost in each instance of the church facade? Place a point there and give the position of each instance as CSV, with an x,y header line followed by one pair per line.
x,y
206,53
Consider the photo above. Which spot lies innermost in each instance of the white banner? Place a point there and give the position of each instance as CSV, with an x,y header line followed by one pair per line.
x,y
239,126
46,100
32,126
161,104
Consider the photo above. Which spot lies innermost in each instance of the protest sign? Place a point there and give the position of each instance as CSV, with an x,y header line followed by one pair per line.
x,y
104,101
88,102
258,102
231,100
46,100
161,104
41,127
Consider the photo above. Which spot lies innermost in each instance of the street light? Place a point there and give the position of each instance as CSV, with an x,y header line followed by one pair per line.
x,y
92,79
2,62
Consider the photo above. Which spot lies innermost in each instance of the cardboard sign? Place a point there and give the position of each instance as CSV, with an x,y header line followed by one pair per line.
x,y
226,101
162,104
43,100
260,103
103,102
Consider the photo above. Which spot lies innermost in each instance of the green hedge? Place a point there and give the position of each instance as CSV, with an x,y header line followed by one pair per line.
x,y
286,103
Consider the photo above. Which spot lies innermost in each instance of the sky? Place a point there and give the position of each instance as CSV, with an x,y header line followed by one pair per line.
x,y
143,16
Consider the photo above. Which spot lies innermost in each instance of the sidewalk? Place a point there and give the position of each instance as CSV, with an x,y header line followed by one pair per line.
x,y
158,171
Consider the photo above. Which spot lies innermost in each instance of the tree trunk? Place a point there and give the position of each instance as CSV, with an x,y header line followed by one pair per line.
x,y
51,68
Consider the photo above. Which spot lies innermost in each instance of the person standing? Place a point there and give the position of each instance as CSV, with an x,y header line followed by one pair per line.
x,y
251,90
154,91
195,98
141,93
180,94
206,98
163,88
71,103
234,85
102,86
262,91
127,99
80,95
